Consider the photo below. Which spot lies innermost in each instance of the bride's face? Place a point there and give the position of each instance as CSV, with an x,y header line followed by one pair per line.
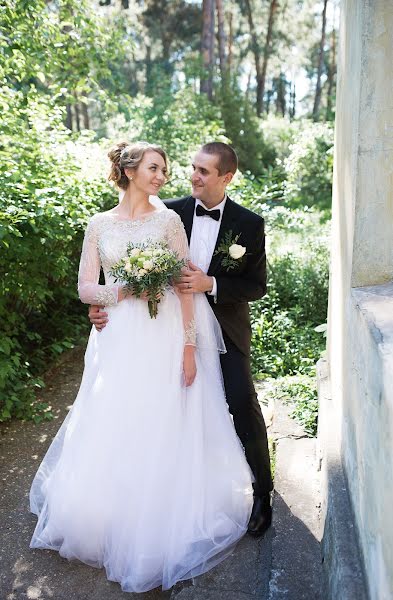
x,y
151,173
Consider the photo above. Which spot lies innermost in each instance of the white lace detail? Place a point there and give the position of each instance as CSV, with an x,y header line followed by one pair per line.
x,y
105,297
106,242
190,333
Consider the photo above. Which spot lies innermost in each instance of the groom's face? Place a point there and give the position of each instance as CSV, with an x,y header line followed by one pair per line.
x,y
207,183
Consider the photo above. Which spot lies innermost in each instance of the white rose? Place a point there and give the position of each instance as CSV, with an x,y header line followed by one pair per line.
x,y
142,272
236,251
148,265
135,252
127,267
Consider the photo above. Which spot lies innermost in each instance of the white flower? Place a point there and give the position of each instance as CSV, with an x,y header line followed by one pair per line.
x,y
148,265
135,252
127,267
142,272
236,251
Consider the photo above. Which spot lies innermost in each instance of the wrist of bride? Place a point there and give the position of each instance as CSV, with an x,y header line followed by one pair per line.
x,y
122,294
189,349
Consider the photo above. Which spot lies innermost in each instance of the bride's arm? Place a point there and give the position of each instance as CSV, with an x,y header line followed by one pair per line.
x,y
177,241
89,290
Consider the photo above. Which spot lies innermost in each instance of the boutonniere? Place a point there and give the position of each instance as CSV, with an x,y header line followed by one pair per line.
x,y
231,250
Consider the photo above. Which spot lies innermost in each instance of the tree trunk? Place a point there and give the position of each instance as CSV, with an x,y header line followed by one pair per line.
x,y
68,122
268,45
292,101
269,95
221,40
318,90
77,114
148,71
248,86
85,115
207,47
212,44
257,56
280,94
230,42
166,54
77,117
331,74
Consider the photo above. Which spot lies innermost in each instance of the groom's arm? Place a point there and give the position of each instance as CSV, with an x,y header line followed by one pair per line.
x,y
251,283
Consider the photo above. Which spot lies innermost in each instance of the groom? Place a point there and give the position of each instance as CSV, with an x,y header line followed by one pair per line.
x,y
230,278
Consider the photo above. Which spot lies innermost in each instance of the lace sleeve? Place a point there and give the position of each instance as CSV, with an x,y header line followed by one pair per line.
x,y
89,290
177,241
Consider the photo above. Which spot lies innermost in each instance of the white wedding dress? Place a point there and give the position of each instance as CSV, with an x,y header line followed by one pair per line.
x,y
145,477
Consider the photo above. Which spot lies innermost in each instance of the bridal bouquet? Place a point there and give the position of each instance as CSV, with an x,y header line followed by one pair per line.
x,y
148,267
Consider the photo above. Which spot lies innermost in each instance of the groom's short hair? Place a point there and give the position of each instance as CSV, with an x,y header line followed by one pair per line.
x,y
227,157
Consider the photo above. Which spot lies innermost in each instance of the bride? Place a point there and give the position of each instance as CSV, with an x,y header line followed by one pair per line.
x,y
146,476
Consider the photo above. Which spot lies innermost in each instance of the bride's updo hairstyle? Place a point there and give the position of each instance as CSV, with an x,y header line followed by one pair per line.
x,y
129,156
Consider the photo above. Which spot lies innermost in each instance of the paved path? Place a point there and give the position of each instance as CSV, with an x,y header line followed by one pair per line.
x,y
42,575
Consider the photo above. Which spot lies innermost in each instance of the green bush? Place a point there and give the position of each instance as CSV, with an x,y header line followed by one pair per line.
x,y
282,343
284,339
45,201
302,281
280,133
309,167
258,193
243,128
300,393
53,181
180,123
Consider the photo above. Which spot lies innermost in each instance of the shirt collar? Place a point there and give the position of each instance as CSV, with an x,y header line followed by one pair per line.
x,y
219,207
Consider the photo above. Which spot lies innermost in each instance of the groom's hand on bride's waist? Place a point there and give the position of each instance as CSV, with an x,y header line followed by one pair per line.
x,y
194,280
98,317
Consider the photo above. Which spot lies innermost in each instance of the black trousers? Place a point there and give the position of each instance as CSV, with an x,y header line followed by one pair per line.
x,y
247,415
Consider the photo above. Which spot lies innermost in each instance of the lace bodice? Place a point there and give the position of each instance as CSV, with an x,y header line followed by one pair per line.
x,y
105,243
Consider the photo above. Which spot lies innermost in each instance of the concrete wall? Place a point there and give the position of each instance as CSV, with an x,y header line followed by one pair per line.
x,y
361,320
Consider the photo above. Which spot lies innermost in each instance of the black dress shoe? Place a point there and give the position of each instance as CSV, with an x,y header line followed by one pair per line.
x,y
261,516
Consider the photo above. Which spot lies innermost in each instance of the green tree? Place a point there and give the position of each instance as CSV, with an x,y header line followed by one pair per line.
x,y
64,49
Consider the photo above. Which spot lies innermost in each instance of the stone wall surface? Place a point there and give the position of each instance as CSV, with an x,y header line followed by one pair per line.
x,y
371,469
360,320
373,233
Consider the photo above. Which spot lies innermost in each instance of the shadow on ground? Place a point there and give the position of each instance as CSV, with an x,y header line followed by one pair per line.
x,y
296,563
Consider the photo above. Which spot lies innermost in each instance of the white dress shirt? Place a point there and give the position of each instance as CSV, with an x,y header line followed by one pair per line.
x,y
203,239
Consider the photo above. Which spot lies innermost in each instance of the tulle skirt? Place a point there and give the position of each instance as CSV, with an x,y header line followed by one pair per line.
x,y
145,477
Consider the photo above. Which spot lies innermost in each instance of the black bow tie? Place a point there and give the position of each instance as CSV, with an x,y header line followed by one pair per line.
x,y
202,212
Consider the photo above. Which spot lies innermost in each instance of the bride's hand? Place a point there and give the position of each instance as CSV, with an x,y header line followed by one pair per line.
x,y
145,296
123,294
189,365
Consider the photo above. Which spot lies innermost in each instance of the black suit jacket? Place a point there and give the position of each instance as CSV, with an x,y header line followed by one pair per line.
x,y
244,283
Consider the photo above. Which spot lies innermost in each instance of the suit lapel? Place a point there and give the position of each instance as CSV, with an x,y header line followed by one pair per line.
x,y
228,222
187,215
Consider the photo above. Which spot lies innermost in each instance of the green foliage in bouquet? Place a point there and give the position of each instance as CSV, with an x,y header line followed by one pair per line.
x,y
149,267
